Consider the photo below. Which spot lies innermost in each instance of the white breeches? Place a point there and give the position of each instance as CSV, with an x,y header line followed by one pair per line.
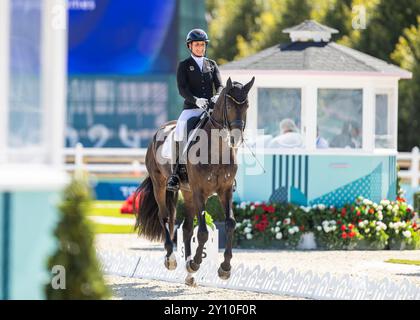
x,y
181,126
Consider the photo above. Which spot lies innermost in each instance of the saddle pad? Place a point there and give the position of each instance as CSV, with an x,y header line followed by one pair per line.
x,y
167,145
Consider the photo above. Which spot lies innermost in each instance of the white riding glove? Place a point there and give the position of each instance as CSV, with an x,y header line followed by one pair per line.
x,y
201,102
214,98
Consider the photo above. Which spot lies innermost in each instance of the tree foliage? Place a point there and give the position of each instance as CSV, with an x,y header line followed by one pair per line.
x,y
385,29
76,253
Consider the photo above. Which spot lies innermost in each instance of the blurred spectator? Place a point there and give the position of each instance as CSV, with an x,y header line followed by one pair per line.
x,y
349,136
321,143
289,136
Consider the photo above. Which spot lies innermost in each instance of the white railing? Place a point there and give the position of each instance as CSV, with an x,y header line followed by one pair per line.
x,y
79,153
413,172
137,167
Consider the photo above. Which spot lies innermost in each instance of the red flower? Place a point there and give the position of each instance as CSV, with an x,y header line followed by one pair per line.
x,y
343,212
352,234
408,210
358,213
371,211
344,235
414,226
264,217
128,205
126,208
262,226
351,226
256,217
270,209
302,228
339,222
343,228
359,221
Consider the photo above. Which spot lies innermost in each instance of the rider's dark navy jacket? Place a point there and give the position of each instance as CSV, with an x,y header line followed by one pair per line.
x,y
193,84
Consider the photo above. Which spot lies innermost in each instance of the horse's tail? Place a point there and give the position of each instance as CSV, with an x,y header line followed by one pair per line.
x,y
147,212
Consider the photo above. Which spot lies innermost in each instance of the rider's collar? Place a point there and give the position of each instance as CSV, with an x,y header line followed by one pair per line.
x,y
199,60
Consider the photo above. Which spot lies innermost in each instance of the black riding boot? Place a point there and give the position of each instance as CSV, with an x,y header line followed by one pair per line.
x,y
173,180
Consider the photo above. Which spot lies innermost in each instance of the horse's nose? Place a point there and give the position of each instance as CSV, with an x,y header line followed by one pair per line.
x,y
236,137
237,124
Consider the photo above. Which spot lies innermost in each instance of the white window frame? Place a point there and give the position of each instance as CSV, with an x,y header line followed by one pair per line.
x,y
302,128
366,144
392,116
309,83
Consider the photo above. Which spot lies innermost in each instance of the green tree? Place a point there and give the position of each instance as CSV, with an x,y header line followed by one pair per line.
x,y
388,22
83,278
275,16
338,16
407,54
231,19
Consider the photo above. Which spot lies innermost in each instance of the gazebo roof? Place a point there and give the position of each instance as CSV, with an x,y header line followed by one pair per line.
x,y
310,25
314,55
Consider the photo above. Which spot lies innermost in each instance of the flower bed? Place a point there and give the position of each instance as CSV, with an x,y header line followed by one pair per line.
x,y
362,225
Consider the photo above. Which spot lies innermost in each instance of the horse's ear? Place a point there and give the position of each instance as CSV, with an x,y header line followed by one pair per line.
x,y
228,84
249,85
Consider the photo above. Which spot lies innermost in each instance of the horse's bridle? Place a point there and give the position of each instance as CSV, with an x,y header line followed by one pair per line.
x,y
227,125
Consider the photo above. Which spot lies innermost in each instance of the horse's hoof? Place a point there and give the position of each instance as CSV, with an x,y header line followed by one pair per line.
x,y
190,281
192,266
224,275
170,262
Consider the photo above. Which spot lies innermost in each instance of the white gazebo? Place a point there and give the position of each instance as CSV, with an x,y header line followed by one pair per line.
x,y
343,104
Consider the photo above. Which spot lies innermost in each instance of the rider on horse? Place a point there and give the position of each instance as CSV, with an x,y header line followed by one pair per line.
x,y
199,81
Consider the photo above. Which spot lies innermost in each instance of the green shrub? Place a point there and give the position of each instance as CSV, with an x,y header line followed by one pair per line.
x,y
76,251
416,201
213,207
362,224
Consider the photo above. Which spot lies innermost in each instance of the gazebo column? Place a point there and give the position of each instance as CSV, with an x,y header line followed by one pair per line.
x,y
369,102
394,115
310,105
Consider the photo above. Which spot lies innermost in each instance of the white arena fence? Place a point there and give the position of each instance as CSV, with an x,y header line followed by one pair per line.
x,y
131,160
291,282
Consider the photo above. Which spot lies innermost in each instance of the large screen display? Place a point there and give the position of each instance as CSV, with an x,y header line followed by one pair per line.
x,y
121,54
130,37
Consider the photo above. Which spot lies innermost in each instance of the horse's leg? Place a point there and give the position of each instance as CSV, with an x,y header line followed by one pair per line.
x,y
202,234
166,218
226,200
187,229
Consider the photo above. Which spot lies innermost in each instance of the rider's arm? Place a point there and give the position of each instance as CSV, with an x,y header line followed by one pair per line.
x,y
217,79
184,91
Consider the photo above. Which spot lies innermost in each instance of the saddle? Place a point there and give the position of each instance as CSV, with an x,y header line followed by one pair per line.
x,y
192,124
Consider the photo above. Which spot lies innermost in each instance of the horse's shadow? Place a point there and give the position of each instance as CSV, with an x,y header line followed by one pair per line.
x,y
144,291
408,274
145,249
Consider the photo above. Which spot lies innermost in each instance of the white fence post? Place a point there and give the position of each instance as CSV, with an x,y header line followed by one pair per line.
x,y
78,157
415,160
412,173
136,168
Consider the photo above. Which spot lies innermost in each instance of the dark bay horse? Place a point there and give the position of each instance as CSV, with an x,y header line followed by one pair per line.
x,y
213,174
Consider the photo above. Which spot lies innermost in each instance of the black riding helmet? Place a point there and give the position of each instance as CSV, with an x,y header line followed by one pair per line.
x,y
196,35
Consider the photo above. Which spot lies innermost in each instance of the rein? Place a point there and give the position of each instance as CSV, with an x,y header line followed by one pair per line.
x,y
226,124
